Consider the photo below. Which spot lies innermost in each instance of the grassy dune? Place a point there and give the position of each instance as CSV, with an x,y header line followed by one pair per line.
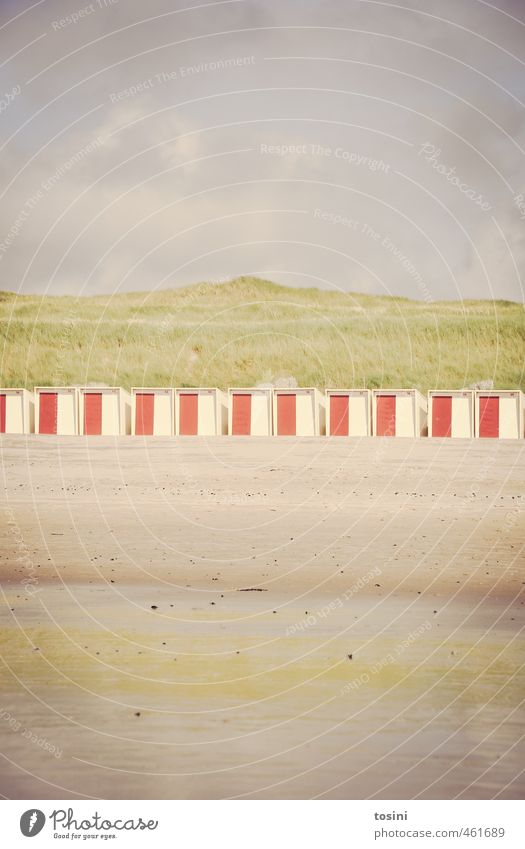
x,y
248,330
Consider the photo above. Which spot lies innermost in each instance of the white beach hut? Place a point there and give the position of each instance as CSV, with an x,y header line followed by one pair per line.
x,y
499,414
398,412
104,411
17,411
200,412
348,412
451,413
250,412
56,410
153,412
298,412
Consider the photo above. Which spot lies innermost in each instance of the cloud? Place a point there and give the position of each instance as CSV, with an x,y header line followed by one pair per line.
x,y
177,184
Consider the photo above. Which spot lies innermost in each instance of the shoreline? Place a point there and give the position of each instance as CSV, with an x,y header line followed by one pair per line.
x,y
261,618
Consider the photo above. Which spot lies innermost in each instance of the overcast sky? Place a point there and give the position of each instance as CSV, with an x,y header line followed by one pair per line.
x,y
358,145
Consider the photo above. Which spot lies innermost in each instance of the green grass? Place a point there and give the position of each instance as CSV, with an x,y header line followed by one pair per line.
x,y
248,330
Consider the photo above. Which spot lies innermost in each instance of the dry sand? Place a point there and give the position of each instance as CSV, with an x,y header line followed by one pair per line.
x,y
122,564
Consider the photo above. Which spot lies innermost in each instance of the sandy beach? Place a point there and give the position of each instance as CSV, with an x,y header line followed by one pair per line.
x,y
262,618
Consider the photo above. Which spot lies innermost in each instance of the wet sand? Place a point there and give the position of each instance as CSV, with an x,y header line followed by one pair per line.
x,y
289,618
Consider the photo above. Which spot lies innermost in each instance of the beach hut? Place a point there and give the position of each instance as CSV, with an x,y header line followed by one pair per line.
x,y
348,412
104,411
499,414
250,412
298,412
451,413
56,410
17,411
153,412
398,412
200,412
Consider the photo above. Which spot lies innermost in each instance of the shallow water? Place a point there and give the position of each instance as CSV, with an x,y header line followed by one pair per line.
x,y
255,695
134,552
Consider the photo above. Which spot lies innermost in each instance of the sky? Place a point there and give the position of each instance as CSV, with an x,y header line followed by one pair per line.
x,y
353,145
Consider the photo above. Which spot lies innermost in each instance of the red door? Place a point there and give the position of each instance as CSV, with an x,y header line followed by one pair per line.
x,y
188,414
489,416
338,415
144,406
2,413
93,413
47,416
286,417
441,415
241,414
386,415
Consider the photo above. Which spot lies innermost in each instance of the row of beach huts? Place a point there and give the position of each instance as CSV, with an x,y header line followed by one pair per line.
x,y
260,411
